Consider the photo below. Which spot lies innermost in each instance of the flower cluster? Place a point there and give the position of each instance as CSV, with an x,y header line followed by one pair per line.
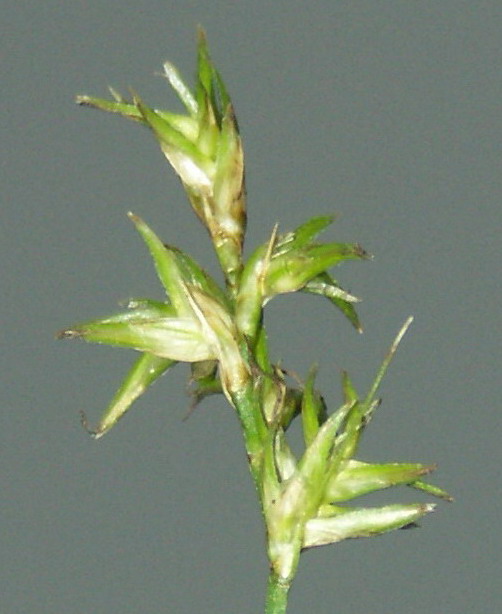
x,y
220,331
204,148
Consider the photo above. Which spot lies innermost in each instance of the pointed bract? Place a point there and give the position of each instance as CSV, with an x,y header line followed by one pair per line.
x,y
313,409
146,369
362,523
325,285
168,337
356,478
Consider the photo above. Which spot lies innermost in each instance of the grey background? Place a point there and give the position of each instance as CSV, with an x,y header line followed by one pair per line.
x,y
387,113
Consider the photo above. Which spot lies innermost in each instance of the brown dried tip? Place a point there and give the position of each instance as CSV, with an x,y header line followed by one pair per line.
x,y
68,334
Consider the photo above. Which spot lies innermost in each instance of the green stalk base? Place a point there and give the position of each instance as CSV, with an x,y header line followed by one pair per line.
x,y
277,595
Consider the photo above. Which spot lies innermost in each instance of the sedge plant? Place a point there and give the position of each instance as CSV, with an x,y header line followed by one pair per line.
x,y
307,499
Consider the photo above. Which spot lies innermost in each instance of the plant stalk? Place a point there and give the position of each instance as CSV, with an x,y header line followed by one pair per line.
x,y
277,594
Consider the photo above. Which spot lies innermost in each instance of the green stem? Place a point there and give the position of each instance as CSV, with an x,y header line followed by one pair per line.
x,y
277,595
247,404
230,258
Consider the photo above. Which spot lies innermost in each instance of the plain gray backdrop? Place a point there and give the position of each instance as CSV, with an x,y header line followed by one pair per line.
x,y
384,113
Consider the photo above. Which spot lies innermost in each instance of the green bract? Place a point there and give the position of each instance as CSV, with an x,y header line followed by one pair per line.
x,y
221,333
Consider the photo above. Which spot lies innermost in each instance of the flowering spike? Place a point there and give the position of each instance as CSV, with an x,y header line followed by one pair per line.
x,y
290,263
221,333
205,150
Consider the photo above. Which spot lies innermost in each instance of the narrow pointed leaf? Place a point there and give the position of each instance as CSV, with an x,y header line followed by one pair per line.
x,y
210,87
221,96
349,392
123,108
183,154
146,369
431,489
356,421
365,522
304,234
370,397
356,478
163,129
169,337
193,274
291,271
314,464
139,311
325,285
331,254
182,90
204,73
209,133
166,265
130,110
312,408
